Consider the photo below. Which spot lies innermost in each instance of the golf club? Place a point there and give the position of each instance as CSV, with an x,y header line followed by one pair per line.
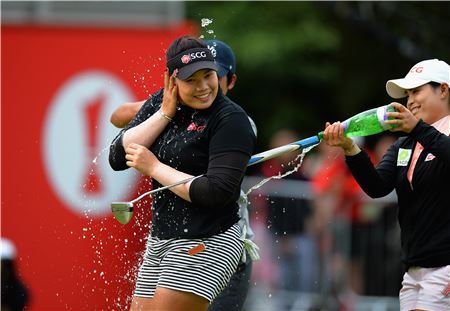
x,y
123,211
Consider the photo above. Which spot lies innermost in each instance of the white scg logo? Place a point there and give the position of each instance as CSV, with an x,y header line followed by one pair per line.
x,y
76,139
198,55
185,59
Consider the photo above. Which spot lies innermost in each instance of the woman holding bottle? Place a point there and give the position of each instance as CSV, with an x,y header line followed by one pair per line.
x,y
417,166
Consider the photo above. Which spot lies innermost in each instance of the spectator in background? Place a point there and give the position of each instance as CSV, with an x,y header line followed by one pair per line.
x,y
339,225
14,293
287,219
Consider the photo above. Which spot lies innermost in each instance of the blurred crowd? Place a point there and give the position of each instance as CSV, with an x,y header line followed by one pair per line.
x,y
333,242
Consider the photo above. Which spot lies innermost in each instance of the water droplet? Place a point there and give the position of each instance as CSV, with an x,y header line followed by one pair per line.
x,y
206,21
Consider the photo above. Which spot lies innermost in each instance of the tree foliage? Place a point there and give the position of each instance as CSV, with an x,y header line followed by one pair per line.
x,y
303,63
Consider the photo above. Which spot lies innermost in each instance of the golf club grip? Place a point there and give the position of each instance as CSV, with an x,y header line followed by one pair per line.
x,y
272,153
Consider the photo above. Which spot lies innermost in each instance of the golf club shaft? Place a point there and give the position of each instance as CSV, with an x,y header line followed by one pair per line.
x,y
165,187
257,158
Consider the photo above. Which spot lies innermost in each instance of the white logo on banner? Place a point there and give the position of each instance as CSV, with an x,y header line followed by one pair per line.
x,y
77,136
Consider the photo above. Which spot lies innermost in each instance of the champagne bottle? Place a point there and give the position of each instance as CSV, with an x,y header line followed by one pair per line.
x,y
367,123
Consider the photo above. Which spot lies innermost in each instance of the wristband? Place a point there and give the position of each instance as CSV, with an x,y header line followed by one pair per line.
x,y
165,116
353,150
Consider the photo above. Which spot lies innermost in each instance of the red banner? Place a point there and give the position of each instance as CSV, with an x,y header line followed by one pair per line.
x,y
59,87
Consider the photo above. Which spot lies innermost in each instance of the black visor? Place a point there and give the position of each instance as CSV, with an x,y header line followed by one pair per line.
x,y
190,61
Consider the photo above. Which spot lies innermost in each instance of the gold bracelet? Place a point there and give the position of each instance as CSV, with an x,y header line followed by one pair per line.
x,y
165,116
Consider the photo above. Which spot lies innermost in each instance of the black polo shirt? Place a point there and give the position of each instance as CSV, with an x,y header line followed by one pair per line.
x,y
217,141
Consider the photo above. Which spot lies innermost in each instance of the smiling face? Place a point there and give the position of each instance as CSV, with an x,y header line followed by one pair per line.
x,y
199,90
429,103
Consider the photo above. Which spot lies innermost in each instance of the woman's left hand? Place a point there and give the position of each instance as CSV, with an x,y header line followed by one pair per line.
x,y
170,97
142,159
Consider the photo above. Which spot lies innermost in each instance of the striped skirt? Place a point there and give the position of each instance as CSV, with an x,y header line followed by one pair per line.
x,y
199,266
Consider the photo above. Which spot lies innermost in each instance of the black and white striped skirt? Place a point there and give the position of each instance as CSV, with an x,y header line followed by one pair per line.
x,y
199,266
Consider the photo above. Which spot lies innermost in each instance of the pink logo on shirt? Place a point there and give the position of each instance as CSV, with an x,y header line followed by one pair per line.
x,y
446,290
429,157
197,128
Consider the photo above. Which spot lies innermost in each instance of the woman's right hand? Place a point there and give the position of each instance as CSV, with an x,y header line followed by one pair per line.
x,y
142,159
334,136
170,98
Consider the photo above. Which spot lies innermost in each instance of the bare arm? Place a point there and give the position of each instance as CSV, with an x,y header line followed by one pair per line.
x,y
228,159
125,113
146,132
142,159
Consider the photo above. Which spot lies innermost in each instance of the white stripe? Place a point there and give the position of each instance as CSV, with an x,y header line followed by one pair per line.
x,y
204,274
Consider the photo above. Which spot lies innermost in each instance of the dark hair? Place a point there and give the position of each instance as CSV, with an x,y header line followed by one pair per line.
x,y
434,85
229,77
182,44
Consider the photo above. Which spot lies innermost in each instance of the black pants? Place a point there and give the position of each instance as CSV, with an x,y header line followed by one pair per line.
x,y
232,298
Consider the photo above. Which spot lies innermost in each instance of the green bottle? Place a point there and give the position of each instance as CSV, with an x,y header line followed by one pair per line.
x,y
367,123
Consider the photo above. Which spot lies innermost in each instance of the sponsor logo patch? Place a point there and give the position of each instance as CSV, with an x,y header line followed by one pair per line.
x,y
197,128
446,290
429,157
403,157
196,249
185,59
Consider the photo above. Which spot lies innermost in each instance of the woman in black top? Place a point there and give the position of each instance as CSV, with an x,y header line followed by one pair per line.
x,y
417,166
188,129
